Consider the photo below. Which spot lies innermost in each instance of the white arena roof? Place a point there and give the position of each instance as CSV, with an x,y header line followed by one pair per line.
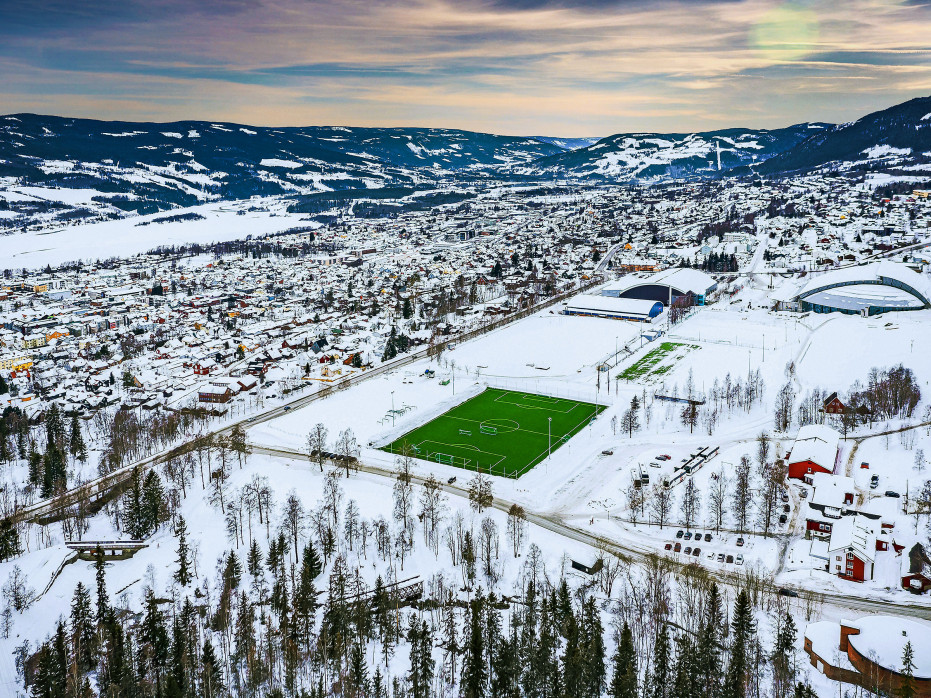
x,y
875,283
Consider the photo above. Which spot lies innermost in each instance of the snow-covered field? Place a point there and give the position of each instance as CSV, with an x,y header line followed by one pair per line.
x,y
129,236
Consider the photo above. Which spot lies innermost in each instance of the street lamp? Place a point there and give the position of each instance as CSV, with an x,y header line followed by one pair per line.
x,y
549,437
392,409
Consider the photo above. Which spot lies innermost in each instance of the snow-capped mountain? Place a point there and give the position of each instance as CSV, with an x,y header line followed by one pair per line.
x,y
148,166
655,156
897,136
69,170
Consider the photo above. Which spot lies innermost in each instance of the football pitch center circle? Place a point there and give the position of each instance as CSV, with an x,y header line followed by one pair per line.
x,y
503,426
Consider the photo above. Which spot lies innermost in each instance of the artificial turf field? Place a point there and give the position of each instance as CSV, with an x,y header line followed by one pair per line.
x,y
503,432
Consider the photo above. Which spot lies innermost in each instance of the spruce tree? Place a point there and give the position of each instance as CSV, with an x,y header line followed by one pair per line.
x,y
183,574
624,679
708,647
472,683
154,642
54,470
83,633
421,658
76,445
9,540
659,684
743,628
907,684
593,650
103,600
211,678
153,502
305,595
133,514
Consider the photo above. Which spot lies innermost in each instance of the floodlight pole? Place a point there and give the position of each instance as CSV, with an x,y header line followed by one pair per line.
x,y
392,409
549,437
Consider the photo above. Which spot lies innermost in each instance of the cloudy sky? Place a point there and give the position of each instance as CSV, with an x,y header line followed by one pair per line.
x,y
528,67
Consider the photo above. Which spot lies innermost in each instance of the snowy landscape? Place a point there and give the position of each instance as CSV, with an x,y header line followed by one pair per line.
x,y
202,370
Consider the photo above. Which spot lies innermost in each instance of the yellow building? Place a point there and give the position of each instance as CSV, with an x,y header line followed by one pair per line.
x,y
15,362
34,340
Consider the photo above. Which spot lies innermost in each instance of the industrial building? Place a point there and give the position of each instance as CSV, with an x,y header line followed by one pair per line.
x,y
614,308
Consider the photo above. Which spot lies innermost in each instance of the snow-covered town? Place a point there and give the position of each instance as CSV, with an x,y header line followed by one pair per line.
x,y
754,469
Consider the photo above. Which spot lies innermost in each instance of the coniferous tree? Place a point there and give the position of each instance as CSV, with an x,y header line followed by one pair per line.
x,y
54,427
305,595
505,667
743,629
624,682
659,683
685,677
421,656
9,540
593,650
83,633
153,502
153,643
76,446
474,673
54,470
708,645
183,574
51,676
103,600
782,659
133,508
211,677
907,684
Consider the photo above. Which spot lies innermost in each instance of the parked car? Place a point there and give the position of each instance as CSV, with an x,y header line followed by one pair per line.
x,y
874,482
785,496
677,547
668,546
720,557
696,552
730,559
607,452
712,555
688,550
740,542
451,480
287,407
680,533
783,518
803,493
890,493
786,508
688,535
788,592
707,537
663,457
739,559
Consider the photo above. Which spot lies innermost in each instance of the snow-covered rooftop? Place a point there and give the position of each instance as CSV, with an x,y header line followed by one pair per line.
x,y
882,639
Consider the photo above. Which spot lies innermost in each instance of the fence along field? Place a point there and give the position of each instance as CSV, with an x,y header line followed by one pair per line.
x,y
501,432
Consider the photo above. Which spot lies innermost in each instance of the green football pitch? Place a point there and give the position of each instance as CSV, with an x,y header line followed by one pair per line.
x,y
503,432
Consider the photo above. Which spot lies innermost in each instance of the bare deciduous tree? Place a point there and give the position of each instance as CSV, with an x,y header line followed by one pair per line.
x,y
316,444
517,526
660,503
717,498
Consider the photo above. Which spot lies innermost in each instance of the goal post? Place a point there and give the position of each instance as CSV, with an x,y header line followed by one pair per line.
x,y
443,458
489,430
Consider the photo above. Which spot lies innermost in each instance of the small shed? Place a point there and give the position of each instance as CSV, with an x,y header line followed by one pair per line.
x,y
593,568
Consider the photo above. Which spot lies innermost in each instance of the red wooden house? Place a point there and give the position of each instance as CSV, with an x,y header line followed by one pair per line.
x,y
833,405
